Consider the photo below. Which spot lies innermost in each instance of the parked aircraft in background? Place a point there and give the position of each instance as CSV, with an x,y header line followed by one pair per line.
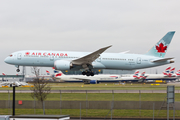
x,y
66,60
98,78
87,80
168,74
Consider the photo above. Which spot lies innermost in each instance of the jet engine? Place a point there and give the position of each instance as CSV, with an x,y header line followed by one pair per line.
x,y
62,65
91,82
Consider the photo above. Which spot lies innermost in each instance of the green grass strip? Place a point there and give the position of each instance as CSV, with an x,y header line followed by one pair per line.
x,y
102,86
96,113
94,96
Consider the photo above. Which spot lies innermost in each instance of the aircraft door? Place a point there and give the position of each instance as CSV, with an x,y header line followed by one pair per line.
x,y
19,55
138,60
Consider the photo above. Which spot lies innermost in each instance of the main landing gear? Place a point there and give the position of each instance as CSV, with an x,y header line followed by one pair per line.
x,y
88,73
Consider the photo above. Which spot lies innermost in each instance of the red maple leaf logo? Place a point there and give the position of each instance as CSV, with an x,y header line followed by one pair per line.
x,y
161,48
27,53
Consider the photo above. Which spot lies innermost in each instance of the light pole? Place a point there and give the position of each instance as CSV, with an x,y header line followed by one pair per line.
x,y
14,100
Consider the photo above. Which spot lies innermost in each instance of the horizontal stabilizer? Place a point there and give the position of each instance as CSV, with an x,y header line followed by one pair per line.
x,y
124,52
162,60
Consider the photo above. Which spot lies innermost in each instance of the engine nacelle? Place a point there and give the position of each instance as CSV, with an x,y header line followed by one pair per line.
x,y
62,65
93,82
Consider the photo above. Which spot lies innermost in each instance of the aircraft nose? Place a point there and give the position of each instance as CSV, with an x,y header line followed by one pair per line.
x,y
6,60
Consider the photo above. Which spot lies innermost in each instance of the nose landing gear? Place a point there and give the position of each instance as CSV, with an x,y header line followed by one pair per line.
x,y
17,70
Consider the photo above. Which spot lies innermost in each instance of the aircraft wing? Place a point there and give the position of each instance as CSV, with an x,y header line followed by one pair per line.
x,y
88,59
162,60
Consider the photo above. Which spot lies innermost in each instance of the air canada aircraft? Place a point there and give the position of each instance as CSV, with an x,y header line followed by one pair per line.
x,y
68,60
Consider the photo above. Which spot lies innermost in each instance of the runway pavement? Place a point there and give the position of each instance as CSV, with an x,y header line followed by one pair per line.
x,y
123,119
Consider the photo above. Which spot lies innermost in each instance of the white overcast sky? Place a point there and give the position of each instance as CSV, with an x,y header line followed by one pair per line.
x,y
87,25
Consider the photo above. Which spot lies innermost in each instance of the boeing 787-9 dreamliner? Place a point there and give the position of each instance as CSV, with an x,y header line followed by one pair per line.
x,y
68,60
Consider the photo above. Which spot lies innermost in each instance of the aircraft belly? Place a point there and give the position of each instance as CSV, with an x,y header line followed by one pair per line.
x,y
148,65
116,65
98,65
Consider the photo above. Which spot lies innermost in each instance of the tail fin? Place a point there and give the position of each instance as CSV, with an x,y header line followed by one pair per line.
x,y
136,74
3,73
178,73
142,76
55,71
160,49
172,71
168,68
167,71
59,74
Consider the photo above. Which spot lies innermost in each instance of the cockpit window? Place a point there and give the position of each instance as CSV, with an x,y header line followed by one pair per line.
x,y
10,55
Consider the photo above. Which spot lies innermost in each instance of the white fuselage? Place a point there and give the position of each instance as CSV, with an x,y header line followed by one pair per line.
x,y
105,61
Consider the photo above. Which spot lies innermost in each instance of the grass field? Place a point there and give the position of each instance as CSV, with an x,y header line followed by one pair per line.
x,y
102,86
94,96
95,113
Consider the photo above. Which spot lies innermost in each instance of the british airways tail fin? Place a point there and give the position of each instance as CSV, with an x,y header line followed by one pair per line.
x,y
59,74
143,76
167,71
160,48
178,73
136,74
172,71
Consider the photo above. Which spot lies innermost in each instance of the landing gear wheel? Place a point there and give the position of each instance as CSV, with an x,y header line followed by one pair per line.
x,y
83,73
18,70
88,73
92,74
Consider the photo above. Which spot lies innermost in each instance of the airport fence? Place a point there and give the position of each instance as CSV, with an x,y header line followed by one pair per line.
x,y
103,104
94,91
